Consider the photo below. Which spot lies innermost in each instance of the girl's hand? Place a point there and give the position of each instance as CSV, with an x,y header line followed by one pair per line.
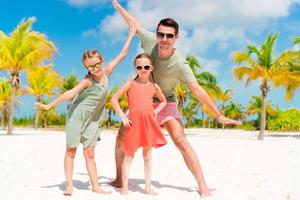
x,y
224,120
132,28
126,122
41,106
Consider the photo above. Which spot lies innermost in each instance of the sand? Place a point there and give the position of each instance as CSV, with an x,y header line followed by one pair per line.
x,y
235,164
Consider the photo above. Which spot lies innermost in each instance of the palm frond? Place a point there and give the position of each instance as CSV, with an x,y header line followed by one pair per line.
x,y
266,56
240,57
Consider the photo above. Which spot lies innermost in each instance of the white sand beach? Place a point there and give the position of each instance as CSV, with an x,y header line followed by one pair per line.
x,y
237,165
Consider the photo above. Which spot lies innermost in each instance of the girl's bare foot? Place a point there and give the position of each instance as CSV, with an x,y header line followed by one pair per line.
x,y
206,193
100,191
124,191
69,190
150,192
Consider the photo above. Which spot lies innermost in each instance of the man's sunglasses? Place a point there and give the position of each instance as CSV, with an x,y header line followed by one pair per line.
x,y
94,67
161,35
146,67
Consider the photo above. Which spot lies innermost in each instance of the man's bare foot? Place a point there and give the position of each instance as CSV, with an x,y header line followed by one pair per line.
x,y
69,190
124,191
100,191
116,183
150,192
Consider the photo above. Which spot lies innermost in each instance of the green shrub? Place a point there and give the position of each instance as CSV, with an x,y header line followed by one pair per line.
x,y
288,120
247,127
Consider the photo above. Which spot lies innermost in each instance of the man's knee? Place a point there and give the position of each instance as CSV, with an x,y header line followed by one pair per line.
x,y
182,143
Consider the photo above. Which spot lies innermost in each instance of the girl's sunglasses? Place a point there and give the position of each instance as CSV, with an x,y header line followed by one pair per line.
x,y
94,67
140,67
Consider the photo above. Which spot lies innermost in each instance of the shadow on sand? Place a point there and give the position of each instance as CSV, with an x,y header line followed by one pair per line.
x,y
134,185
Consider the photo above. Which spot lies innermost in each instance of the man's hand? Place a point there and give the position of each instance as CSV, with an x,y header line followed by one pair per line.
x,y
224,120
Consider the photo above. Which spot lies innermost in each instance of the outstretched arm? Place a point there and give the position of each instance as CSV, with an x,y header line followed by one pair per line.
x,y
127,17
65,96
203,97
111,66
115,103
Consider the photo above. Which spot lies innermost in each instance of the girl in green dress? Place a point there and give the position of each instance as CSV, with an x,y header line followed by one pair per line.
x,y
83,115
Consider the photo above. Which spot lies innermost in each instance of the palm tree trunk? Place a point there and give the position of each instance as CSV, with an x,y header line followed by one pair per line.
x,y
45,122
203,125
264,90
36,120
3,117
11,110
109,118
223,125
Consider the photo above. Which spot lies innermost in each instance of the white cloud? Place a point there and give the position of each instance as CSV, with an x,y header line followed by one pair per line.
x,y
90,33
86,3
203,22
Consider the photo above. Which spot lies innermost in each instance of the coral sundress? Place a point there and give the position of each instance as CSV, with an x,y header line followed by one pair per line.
x,y
144,131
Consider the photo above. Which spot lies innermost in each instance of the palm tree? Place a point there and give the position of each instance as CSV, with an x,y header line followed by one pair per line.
x,y
189,112
181,96
22,50
69,82
46,115
266,69
296,40
234,111
223,98
5,92
42,81
108,105
207,81
255,106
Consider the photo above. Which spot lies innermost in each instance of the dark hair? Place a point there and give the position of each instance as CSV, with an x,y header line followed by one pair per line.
x,y
90,54
169,22
145,55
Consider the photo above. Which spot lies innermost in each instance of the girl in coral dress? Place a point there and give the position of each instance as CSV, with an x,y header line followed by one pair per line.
x,y
142,129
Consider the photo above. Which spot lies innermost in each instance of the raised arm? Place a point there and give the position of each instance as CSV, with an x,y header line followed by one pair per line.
x,y
162,99
127,17
115,103
111,66
65,96
203,97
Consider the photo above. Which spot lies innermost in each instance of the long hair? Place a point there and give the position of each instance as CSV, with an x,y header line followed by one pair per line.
x,y
90,54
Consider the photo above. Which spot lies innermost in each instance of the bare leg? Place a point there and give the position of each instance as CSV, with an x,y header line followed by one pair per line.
x,y
176,132
119,157
147,151
92,170
125,173
68,166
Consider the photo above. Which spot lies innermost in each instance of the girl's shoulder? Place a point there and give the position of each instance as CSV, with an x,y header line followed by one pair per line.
x,y
88,79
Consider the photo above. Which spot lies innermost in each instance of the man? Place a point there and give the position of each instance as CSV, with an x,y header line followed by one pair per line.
x,y
170,68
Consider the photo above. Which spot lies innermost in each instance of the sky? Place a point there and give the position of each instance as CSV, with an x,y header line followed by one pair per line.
x,y
209,29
